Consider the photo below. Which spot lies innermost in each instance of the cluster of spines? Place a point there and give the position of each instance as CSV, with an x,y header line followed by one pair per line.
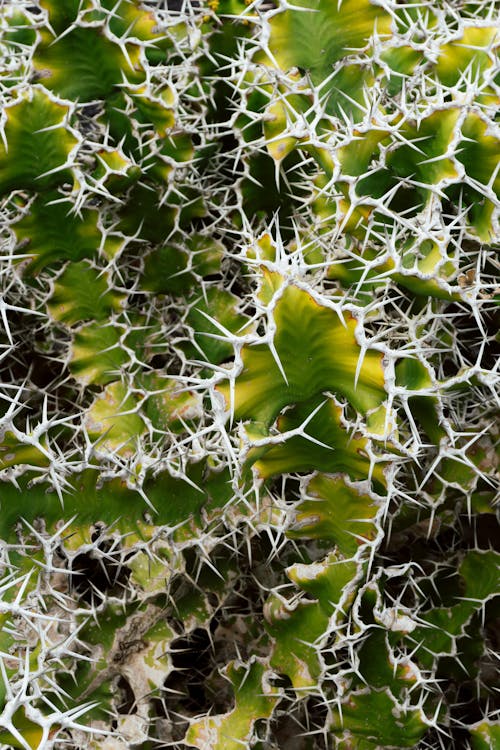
x,y
353,197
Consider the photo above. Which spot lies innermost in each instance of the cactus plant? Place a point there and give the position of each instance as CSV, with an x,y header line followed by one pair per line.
x,y
249,383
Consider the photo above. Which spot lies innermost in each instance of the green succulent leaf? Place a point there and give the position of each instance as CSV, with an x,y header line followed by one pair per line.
x,y
467,56
333,509
356,156
89,499
98,64
114,171
62,13
174,269
296,631
315,350
376,717
485,735
380,668
50,232
442,626
113,422
25,733
81,293
479,152
169,405
402,61
143,214
424,156
97,354
332,582
214,318
19,32
323,444
37,145
254,699
315,34
132,21
15,452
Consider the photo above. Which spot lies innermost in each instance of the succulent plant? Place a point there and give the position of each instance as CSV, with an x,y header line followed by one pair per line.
x,y
249,374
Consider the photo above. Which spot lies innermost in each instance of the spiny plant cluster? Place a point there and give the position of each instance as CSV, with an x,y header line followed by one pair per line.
x,y
249,374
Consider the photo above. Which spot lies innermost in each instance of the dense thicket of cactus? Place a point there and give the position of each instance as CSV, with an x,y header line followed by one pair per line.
x,y
249,388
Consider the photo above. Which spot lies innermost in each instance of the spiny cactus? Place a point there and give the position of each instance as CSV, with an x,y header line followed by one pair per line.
x,y
249,377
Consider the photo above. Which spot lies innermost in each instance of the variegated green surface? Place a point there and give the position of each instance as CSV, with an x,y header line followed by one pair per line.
x,y
249,378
